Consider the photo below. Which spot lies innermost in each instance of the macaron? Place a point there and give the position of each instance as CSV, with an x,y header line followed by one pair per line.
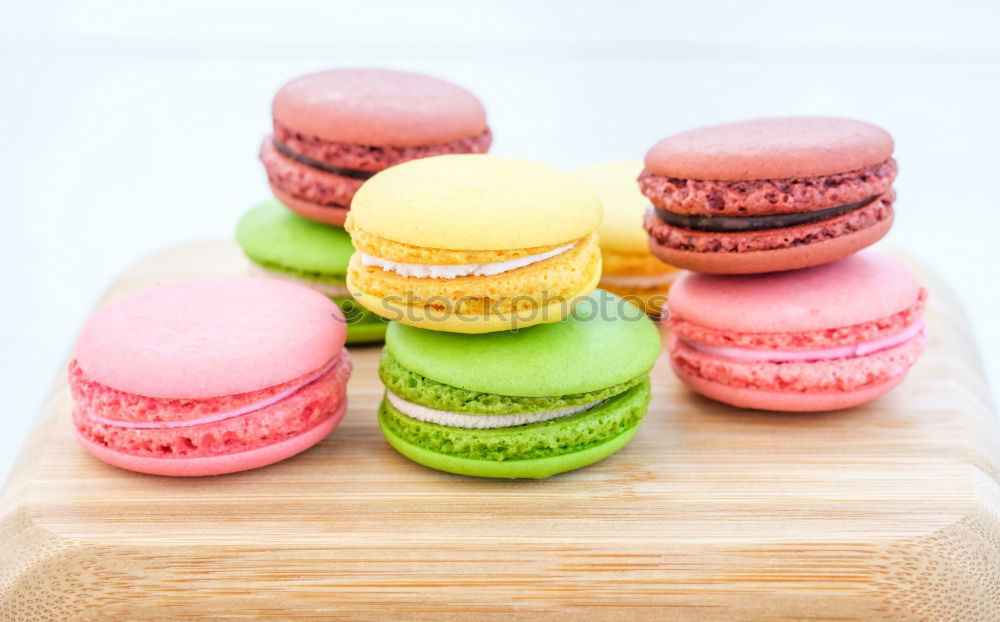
x,y
520,404
335,129
629,269
281,244
821,338
769,194
473,243
209,376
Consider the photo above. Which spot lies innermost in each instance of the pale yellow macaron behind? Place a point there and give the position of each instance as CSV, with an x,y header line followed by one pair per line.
x,y
630,270
473,243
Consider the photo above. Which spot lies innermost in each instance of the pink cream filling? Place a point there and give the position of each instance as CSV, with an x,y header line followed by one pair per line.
x,y
818,354
221,416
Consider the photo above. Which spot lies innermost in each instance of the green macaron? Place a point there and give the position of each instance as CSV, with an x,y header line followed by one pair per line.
x,y
285,245
520,404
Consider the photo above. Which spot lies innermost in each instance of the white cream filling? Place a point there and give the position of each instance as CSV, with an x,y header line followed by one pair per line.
x,y
462,420
638,280
328,289
422,271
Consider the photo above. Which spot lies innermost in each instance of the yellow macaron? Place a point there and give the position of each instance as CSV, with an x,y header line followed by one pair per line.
x,y
473,243
630,270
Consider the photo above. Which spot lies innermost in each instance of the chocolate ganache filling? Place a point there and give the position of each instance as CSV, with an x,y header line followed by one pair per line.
x,y
734,224
336,170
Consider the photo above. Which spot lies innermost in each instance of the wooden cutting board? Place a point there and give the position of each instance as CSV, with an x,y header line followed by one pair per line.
x,y
884,512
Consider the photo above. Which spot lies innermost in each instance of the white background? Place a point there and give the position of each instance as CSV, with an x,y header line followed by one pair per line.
x,y
132,127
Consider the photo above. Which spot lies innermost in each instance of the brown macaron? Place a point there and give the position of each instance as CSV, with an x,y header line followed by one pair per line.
x,y
768,194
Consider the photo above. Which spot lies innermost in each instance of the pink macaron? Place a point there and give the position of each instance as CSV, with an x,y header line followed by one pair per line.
x,y
768,194
335,129
209,376
821,338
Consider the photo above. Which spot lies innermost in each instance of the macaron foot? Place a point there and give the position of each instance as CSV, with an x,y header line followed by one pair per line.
x,y
758,399
537,468
329,214
791,258
217,465
392,308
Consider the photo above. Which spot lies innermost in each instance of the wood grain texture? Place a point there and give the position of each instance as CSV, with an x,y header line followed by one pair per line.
x,y
884,512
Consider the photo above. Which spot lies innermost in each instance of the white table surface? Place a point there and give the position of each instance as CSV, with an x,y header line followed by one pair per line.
x,y
126,129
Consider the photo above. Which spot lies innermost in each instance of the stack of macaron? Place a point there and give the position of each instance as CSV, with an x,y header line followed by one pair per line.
x,y
778,311
502,360
820,338
519,404
628,268
209,376
332,130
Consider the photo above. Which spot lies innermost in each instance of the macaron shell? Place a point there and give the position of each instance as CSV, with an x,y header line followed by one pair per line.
x,y
217,465
273,235
210,337
615,183
757,262
614,263
476,202
605,342
305,182
780,401
548,447
565,276
329,214
363,326
538,468
650,299
392,250
835,375
470,324
777,148
412,387
768,197
368,331
860,288
378,107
